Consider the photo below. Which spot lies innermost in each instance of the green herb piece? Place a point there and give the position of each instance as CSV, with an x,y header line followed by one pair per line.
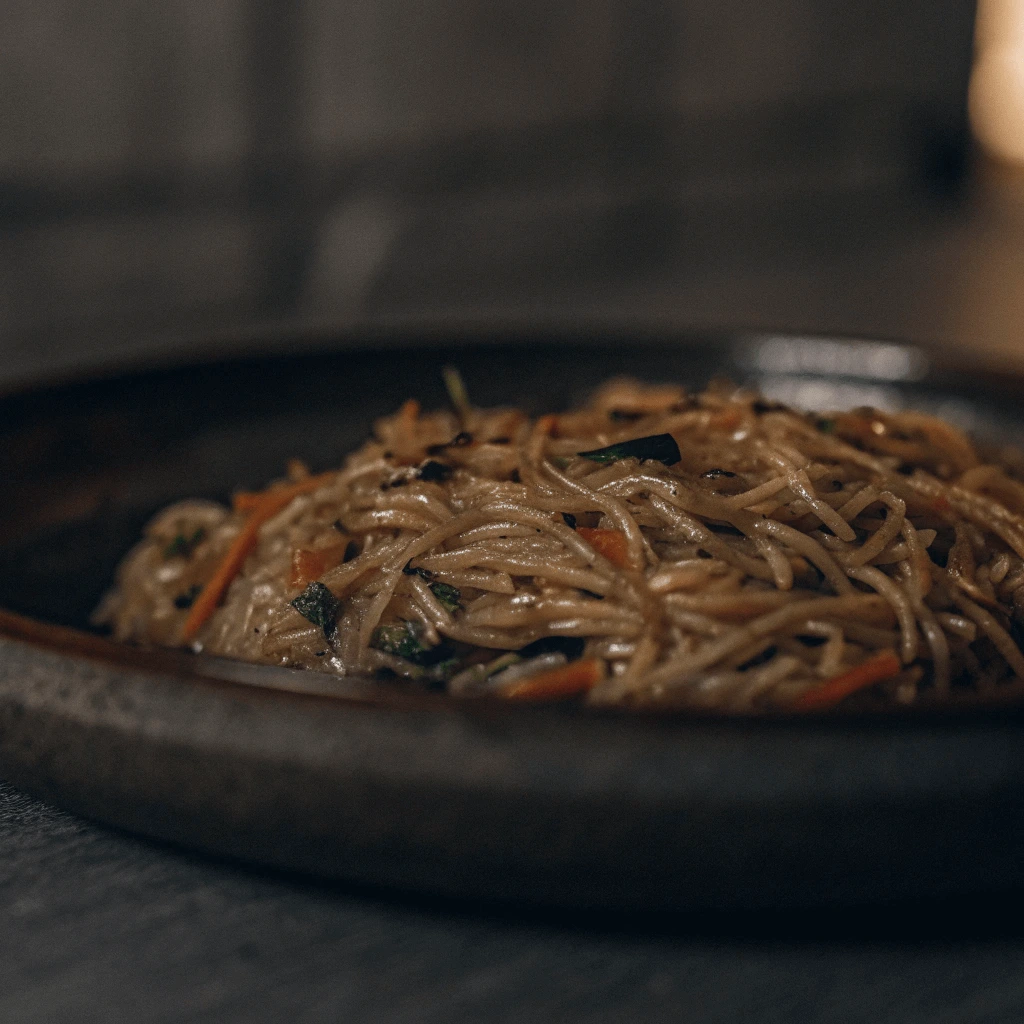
x,y
448,595
444,670
401,639
561,461
827,426
505,661
569,519
660,447
457,393
317,604
184,546
187,599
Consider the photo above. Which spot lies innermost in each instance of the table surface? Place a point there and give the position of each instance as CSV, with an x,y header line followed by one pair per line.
x,y
108,927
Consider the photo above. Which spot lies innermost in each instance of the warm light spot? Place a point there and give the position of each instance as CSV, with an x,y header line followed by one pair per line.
x,y
997,84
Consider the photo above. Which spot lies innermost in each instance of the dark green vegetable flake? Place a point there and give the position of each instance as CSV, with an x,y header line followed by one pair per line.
x,y
448,595
660,447
827,426
401,639
188,599
439,674
415,570
761,407
460,440
317,604
184,546
434,472
569,519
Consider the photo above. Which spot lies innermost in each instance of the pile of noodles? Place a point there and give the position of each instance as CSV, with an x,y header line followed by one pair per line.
x,y
468,550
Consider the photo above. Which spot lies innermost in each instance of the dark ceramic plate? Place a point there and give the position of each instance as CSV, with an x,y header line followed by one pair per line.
x,y
546,805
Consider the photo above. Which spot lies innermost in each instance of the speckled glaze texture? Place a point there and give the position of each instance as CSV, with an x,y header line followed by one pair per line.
x,y
540,805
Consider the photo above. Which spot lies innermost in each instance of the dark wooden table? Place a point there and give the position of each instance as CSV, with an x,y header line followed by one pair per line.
x,y
100,926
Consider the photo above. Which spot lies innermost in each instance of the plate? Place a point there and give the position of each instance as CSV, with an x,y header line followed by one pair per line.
x,y
553,805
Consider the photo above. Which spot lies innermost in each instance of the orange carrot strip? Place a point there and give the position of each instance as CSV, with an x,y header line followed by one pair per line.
x,y
867,673
407,418
271,502
548,424
565,681
610,543
247,501
310,564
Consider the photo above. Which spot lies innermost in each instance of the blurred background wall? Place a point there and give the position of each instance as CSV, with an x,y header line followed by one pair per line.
x,y
186,167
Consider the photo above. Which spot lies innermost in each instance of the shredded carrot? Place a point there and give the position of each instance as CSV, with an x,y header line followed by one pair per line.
x,y
269,504
867,673
407,417
248,501
548,425
610,543
565,681
309,564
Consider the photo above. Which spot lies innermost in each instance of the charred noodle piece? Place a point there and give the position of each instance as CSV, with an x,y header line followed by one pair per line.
x,y
733,556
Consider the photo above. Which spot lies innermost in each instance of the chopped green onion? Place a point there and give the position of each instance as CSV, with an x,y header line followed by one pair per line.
x,y
493,667
184,546
448,595
456,388
476,675
401,639
317,604
660,447
444,670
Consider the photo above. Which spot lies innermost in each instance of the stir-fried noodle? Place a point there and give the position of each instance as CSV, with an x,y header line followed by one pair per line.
x,y
708,550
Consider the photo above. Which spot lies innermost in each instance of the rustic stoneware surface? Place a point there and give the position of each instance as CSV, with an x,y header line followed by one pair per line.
x,y
544,806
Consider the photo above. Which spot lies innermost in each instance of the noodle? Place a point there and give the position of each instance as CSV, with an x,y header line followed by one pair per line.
x,y
701,550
